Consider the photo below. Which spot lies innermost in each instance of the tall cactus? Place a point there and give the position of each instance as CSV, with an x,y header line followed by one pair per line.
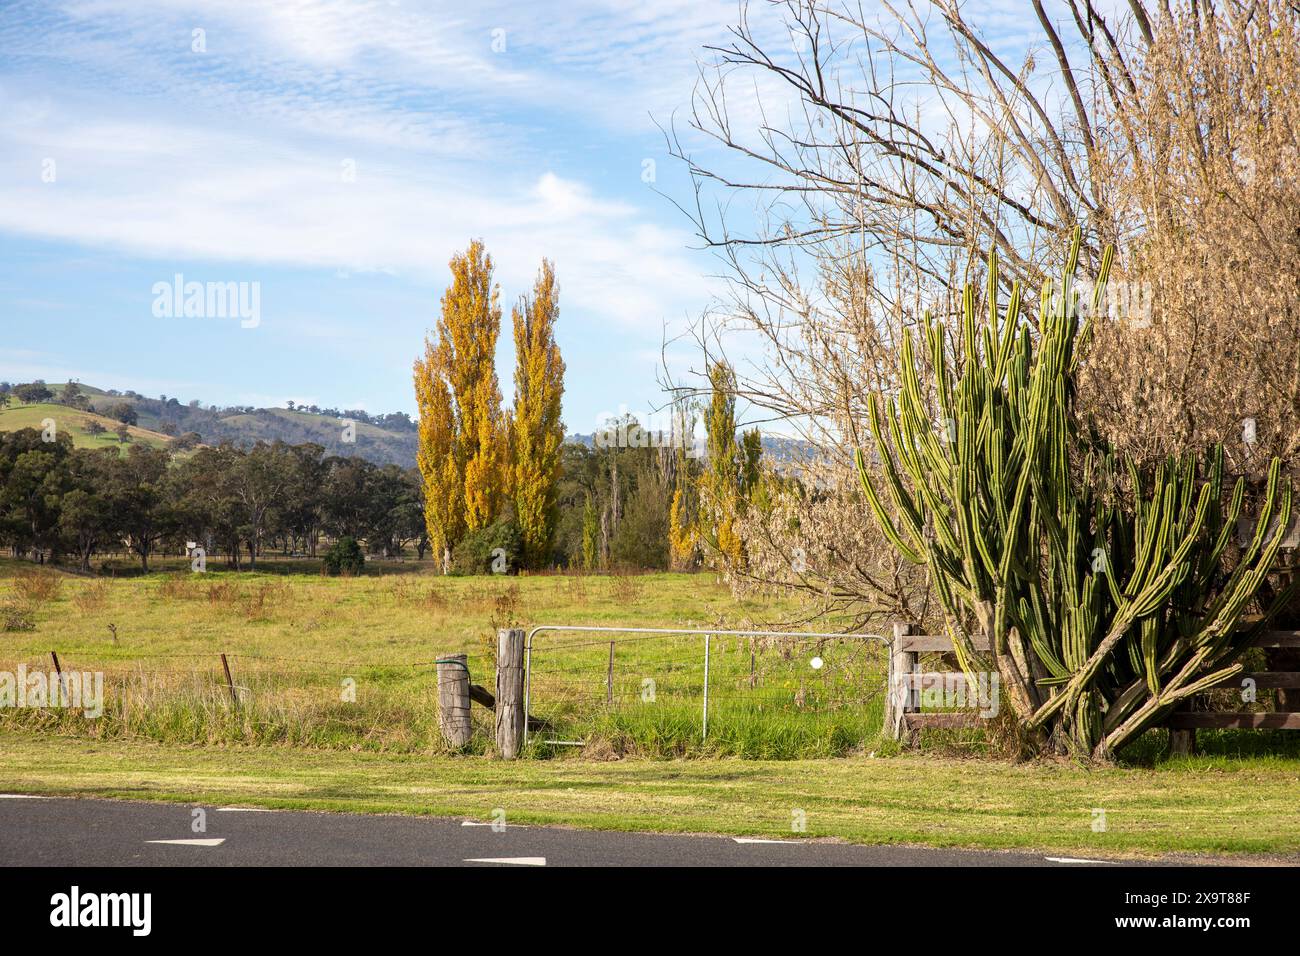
x,y
1100,588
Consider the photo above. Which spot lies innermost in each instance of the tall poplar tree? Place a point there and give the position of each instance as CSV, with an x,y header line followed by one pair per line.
x,y
437,456
536,430
462,453
720,479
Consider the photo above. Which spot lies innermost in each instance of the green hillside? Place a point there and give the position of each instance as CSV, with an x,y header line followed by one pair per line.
x,y
157,417
74,422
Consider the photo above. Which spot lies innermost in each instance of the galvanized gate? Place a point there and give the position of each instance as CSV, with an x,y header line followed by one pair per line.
x,y
707,636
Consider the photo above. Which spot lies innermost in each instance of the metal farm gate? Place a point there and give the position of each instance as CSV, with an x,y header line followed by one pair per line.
x,y
715,673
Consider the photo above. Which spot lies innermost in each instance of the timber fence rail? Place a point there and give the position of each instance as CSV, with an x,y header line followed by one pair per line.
x,y
910,686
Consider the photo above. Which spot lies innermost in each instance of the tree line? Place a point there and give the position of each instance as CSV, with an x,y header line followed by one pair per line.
x,y
61,504
630,506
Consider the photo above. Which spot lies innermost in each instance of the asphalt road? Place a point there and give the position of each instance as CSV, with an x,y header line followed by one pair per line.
x,y
88,832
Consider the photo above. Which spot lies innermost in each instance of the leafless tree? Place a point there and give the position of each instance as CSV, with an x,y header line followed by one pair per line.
x,y
853,165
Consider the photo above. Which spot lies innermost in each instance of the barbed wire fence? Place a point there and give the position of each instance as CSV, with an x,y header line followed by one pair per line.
x,y
660,689
241,696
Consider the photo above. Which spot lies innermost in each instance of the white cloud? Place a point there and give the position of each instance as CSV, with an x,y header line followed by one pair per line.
x,y
236,155
212,195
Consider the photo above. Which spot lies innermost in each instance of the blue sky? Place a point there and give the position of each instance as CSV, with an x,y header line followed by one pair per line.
x,y
128,156
337,153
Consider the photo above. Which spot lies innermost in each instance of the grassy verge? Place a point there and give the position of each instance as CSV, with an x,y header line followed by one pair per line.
x,y
1189,806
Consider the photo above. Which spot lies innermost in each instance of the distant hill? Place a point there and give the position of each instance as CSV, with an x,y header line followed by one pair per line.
x,y
382,439
76,423
387,439
776,448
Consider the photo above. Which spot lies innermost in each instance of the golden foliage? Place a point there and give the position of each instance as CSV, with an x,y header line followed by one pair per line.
x,y
444,504
536,431
681,529
462,454
719,483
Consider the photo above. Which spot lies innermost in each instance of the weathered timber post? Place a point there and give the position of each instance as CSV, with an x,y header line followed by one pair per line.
x,y
1182,743
230,682
898,693
63,688
510,715
453,700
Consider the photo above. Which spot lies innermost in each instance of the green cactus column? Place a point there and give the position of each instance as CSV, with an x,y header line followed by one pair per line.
x,y
1101,588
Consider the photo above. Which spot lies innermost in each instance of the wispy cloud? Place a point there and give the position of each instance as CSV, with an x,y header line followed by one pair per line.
x,y
304,135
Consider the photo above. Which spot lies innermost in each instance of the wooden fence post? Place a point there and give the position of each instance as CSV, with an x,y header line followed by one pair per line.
x,y
898,693
510,692
63,688
230,682
453,700
1182,741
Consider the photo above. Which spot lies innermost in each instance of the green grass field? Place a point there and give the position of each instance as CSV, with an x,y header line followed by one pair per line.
x,y
74,422
811,735
295,642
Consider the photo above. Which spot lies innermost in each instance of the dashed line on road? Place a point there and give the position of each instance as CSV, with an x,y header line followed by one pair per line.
x,y
757,840
245,810
512,860
1071,859
21,796
214,841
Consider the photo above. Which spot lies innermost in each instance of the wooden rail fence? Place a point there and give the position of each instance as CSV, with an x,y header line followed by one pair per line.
x,y
907,682
456,692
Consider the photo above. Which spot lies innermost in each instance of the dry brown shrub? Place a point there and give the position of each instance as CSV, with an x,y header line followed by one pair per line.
x,y
260,602
575,589
1202,344
414,593
17,615
222,593
37,587
506,608
624,588
180,588
92,597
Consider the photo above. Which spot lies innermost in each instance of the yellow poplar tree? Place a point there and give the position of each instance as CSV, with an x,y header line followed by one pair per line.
x,y
681,531
468,330
536,430
440,466
462,454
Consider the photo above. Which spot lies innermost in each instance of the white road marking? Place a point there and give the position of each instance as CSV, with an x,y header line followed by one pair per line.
x,y
1070,859
21,796
216,841
513,860
474,823
245,810
756,840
